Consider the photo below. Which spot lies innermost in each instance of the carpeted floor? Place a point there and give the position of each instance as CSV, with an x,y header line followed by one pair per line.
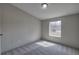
x,y
43,48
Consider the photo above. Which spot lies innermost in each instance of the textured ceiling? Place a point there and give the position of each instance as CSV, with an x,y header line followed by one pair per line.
x,y
53,10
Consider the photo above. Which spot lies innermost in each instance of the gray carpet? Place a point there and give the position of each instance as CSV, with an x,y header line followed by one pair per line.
x,y
43,48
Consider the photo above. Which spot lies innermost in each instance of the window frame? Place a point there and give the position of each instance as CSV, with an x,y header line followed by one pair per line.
x,y
53,35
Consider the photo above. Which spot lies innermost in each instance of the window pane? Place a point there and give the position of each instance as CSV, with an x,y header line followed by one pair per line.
x,y
55,28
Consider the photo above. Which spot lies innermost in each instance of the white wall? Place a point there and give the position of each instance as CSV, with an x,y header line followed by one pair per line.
x,y
69,30
19,28
0,26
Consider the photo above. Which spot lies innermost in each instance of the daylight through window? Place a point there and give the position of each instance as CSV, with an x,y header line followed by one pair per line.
x,y
55,28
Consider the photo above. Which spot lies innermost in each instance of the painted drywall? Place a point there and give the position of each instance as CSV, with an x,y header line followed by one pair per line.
x,y
53,10
0,26
19,28
69,30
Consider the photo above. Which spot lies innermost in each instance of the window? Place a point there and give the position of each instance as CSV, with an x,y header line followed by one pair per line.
x,y
55,28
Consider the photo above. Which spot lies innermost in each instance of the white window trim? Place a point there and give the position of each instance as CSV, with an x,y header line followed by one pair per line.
x,y
50,30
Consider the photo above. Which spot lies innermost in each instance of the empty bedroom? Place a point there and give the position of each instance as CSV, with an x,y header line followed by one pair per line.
x,y
39,28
